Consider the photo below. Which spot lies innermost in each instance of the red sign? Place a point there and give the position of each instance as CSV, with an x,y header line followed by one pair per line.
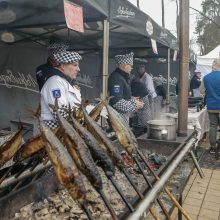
x,y
74,16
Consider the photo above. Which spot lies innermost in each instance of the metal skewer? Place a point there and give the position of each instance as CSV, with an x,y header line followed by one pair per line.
x,y
107,203
87,211
131,182
150,185
7,172
121,193
165,188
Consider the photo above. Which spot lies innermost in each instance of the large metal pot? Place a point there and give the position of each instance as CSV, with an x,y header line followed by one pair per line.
x,y
162,130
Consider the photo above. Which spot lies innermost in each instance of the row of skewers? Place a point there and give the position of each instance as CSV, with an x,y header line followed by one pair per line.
x,y
76,148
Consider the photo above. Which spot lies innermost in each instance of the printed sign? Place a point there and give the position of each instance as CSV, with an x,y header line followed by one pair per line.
x,y
125,12
74,16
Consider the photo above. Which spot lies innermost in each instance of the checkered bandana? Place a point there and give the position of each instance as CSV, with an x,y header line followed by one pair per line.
x,y
57,47
66,57
125,59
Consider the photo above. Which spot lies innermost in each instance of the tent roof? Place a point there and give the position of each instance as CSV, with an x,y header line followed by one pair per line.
x,y
204,63
43,19
209,57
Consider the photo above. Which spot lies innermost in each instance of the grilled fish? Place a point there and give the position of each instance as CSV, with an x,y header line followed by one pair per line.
x,y
9,148
95,113
88,166
105,143
65,168
31,146
123,132
97,152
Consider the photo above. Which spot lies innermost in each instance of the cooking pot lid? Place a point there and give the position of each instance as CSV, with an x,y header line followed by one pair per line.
x,y
161,122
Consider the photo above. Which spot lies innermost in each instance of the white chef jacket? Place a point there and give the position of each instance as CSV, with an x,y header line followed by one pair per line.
x,y
148,82
66,94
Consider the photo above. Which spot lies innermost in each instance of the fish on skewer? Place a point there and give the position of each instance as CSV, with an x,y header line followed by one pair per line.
x,y
87,166
100,135
31,146
95,113
97,152
100,155
65,168
124,134
107,145
10,147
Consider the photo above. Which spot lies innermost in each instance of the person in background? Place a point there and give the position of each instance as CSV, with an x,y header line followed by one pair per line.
x,y
160,99
43,71
195,84
147,79
160,89
138,89
60,86
119,87
210,86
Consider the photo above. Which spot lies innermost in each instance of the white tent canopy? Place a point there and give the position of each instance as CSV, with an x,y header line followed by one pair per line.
x,y
204,63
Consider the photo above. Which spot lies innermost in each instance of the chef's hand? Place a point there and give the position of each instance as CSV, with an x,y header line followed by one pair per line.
x,y
139,103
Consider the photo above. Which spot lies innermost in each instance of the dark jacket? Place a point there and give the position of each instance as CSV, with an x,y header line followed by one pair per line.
x,y
119,86
195,82
138,89
161,91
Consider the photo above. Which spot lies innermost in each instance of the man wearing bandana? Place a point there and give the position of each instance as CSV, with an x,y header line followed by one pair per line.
x,y
60,86
119,87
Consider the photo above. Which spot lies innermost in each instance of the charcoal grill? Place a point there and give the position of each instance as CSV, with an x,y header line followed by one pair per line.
x,y
41,188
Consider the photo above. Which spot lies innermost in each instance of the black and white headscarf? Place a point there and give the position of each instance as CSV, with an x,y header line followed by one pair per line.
x,y
125,59
66,57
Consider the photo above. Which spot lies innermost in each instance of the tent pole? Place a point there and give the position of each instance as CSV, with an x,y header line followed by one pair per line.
x,y
168,76
105,57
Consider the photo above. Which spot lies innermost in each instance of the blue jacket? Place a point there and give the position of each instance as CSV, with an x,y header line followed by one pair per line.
x,y
212,86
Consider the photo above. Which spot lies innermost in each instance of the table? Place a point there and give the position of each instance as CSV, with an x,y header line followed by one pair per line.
x,y
198,120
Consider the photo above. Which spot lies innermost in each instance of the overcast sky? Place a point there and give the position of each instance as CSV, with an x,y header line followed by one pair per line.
x,y
153,9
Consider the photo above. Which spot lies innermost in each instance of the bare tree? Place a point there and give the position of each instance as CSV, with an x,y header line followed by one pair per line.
x,y
208,25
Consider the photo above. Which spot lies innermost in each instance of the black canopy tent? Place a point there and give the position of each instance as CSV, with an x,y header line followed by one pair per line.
x,y
33,23
40,20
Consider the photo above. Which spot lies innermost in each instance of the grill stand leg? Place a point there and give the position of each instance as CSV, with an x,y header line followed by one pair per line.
x,y
181,203
197,164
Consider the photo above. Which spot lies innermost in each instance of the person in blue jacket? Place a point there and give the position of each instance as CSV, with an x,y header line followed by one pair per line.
x,y
211,87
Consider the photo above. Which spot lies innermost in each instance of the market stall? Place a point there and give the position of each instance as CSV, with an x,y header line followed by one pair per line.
x,y
129,29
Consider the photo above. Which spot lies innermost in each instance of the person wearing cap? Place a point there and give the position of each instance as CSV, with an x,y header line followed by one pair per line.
x,y
195,84
60,86
119,87
210,86
44,70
